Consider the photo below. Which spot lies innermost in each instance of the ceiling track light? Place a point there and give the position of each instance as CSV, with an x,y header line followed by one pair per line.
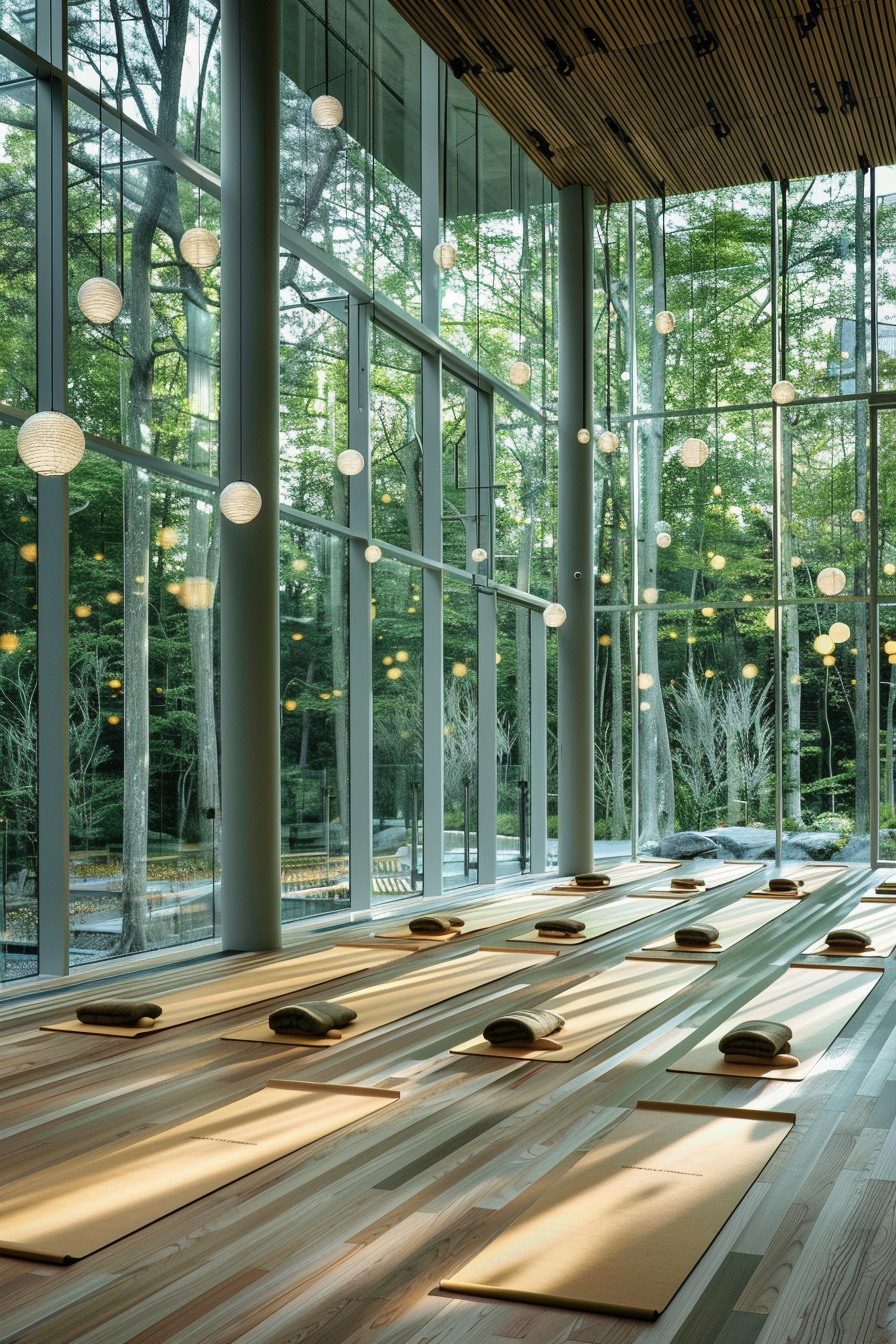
x,y
864,163
539,142
820,105
805,24
460,66
848,100
617,130
702,40
767,172
501,67
564,64
719,126
596,41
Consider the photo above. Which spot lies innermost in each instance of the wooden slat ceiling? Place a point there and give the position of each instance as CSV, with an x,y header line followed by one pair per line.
x,y
650,82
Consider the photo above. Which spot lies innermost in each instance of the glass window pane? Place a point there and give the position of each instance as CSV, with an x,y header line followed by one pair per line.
x,y
514,738
525,501
458,470
612,731
18,350
396,449
461,734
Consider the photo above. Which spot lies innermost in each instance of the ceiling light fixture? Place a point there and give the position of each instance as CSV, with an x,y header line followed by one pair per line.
x,y
848,101
564,64
702,40
327,111
460,66
805,24
539,142
501,66
721,129
820,105
596,41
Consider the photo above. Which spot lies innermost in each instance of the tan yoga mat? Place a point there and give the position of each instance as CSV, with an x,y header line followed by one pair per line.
x,y
717,876
382,1004
816,1002
737,921
876,918
812,875
270,981
67,1211
489,916
595,1009
641,871
621,1230
602,919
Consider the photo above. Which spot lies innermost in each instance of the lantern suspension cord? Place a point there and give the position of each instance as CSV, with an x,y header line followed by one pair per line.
x,y
120,181
102,132
715,313
784,255
444,72
665,297
327,45
606,250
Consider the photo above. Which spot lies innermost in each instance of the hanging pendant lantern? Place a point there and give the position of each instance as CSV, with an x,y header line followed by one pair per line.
x,y
478,555
665,322
444,255
831,581
554,615
372,554
858,515
100,300
350,462
693,452
240,502
519,373
608,441
663,534
783,393
50,443
584,436
199,248
327,111
196,593
839,632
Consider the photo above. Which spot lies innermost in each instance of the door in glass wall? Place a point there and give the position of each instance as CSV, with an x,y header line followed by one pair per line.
x,y
461,714
514,739
397,633
313,723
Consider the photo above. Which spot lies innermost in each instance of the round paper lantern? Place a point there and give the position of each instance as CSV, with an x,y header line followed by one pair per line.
x,y
9,643
831,581
718,562
829,660
890,646
372,554
196,593
290,705
584,436
783,393
823,644
519,373
199,248
395,672
350,462
717,490
114,719
114,599
444,255
747,597
166,537
605,641
100,300
326,111
606,578
83,610
664,539
608,441
749,671
239,501
709,674
839,632
554,615
889,568
644,706
300,564
402,656
858,515
693,452
650,596
664,323
478,555
28,552
645,681
707,611
459,670
50,443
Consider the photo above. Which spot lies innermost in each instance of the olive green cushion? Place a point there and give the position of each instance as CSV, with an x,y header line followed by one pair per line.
x,y
697,935
435,923
314,1018
785,883
565,927
757,1038
852,939
523,1028
687,883
116,1012
592,880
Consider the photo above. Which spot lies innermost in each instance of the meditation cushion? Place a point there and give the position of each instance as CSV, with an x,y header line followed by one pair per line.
x,y
687,884
759,1040
559,927
317,1017
785,883
435,923
523,1028
117,1013
697,935
851,940
592,880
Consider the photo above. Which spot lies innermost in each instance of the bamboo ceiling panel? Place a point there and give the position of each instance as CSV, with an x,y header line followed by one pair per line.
x,y
650,82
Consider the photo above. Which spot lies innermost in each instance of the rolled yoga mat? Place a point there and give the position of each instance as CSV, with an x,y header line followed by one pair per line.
x,y
271,980
816,1002
596,1008
735,922
717,876
66,1211
381,1004
812,876
641,871
621,1230
876,918
606,918
489,915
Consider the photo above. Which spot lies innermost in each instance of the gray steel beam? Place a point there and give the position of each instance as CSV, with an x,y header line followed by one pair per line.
x,y
249,448
360,656
433,639
538,785
487,753
575,531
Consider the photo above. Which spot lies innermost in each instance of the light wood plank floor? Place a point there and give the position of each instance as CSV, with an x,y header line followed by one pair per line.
x,y
345,1241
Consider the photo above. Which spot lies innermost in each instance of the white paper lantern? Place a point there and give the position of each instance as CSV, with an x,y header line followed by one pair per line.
x,y
50,443
823,644
519,373
240,501
651,596
665,323
783,393
326,111
554,615
350,462
664,539
693,452
478,555
100,300
196,593
858,515
608,441
444,255
584,436
749,671
831,581
372,554
199,248
839,632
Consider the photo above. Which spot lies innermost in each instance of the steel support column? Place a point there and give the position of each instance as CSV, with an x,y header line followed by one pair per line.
x,y
538,751
360,657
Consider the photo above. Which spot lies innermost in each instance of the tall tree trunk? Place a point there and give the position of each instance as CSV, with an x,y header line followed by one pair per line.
x,y
523,657
860,570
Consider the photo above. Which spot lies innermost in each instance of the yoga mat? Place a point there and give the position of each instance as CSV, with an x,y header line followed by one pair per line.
x,y
382,1004
816,1002
270,981
490,916
67,1211
621,1230
735,922
603,919
619,876
814,876
876,918
718,876
595,1009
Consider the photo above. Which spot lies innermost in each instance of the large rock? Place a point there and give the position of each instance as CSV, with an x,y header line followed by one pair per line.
x,y
858,848
684,845
810,846
387,840
744,842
